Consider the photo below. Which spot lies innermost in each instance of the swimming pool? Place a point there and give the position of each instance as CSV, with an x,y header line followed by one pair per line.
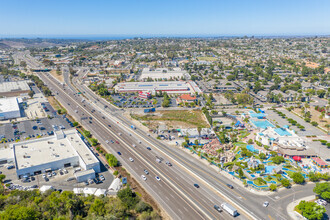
x,y
262,124
282,132
269,169
252,149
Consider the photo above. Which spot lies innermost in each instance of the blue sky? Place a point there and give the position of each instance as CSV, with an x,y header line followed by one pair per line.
x,y
164,17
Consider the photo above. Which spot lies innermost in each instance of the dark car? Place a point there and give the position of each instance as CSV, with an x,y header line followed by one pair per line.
x,y
118,153
230,186
109,125
327,160
216,207
148,148
196,185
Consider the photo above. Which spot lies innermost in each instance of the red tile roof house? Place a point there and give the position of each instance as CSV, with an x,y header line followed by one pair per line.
x,y
186,98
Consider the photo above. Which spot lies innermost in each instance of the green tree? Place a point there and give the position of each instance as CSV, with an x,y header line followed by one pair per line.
x,y
2,177
285,183
19,212
262,156
98,207
112,160
143,207
298,178
75,124
323,189
240,173
128,197
87,133
278,159
94,141
311,210
273,187
314,177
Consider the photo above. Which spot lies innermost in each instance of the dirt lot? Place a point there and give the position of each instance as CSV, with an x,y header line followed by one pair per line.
x,y
315,117
174,119
58,77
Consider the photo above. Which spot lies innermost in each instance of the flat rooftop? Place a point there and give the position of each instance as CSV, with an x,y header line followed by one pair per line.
x,y
63,145
153,86
9,104
14,86
162,73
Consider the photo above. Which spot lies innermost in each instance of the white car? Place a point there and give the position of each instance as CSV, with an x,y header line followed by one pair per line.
x,y
134,145
144,177
321,202
131,159
107,141
119,134
265,204
157,178
49,174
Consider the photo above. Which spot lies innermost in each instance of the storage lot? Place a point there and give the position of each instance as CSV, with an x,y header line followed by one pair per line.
x,y
58,181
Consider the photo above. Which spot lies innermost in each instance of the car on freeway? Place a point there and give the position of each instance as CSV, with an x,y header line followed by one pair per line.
x,y
144,177
265,204
109,126
230,186
134,145
157,178
216,207
148,148
118,153
168,163
196,185
117,142
146,171
119,134
131,159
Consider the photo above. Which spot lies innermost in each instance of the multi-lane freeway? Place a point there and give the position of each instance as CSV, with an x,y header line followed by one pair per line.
x,y
175,191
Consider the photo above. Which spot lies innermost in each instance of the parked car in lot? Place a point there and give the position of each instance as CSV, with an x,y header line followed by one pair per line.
x,y
265,204
102,177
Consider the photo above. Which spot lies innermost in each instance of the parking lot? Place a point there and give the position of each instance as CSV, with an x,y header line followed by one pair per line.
x,y
31,129
133,101
58,181
309,129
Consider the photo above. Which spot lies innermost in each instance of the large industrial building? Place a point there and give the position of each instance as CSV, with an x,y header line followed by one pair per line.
x,y
9,108
163,74
64,149
171,87
15,88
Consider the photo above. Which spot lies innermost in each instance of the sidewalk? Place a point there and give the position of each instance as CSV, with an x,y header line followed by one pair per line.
x,y
290,208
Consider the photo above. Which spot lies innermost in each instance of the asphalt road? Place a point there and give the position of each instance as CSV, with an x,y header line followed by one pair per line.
x,y
176,181
174,192
240,196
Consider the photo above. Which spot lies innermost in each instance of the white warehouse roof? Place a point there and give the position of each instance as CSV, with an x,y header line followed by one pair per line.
x,y
9,104
14,86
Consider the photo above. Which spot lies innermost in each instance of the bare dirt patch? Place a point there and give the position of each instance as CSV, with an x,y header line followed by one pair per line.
x,y
173,119
59,77
322,122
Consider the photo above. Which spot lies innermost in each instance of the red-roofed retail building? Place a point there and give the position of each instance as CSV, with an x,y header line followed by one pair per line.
x,y
319,162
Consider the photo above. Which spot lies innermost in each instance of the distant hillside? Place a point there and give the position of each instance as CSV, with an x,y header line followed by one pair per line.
x,y
4,46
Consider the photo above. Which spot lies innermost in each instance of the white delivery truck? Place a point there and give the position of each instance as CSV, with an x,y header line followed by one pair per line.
x,y
229,208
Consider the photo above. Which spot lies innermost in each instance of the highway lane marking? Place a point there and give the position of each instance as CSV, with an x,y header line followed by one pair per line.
x,y
128,147
101,138
220,193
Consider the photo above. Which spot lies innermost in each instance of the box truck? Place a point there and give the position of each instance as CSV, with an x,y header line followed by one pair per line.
x,y
229,208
